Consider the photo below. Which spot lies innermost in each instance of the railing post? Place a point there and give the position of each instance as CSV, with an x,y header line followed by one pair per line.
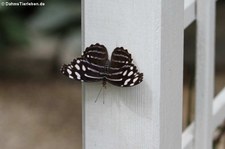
x,y
147,116
205,73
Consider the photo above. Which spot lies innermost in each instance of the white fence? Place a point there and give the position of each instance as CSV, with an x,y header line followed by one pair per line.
x,y
149,116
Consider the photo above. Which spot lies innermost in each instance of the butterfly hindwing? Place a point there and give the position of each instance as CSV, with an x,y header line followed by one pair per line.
x,y
80,69
121,71
126,76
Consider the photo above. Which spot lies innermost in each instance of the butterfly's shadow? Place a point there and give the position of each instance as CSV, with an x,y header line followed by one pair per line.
x,y
133,99
129,99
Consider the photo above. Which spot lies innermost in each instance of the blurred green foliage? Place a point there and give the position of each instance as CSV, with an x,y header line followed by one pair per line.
x,y
56,18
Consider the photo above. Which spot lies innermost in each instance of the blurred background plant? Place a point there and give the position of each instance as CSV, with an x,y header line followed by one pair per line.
x,y
50,32
39,108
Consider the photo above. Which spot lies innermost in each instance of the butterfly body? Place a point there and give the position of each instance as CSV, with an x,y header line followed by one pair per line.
x,y
94,65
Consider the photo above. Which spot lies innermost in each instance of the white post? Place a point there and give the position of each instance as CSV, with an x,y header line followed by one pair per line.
x,y
204,73
147,116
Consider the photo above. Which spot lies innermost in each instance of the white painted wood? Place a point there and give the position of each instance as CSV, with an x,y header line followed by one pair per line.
x,y
218,118
204,73
219,102
188,137
219,109
83,86
189,12
147,116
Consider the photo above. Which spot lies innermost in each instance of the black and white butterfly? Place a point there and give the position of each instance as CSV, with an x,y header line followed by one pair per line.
x,y
94,65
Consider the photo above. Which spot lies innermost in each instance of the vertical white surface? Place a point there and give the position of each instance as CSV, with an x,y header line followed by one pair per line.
x,y
218,117
188,137
147,116
219,109
189,12
204,73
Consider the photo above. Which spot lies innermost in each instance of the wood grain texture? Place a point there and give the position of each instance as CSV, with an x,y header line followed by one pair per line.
x,y
204,73
147,116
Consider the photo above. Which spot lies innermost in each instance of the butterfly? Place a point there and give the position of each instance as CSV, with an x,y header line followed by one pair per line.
x,y
94,65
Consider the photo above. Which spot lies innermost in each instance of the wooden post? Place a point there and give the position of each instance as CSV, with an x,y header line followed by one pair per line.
x,y
204,73
147,116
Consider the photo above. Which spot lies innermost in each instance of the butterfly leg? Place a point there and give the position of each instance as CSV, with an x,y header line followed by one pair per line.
x,y
104,85
98,94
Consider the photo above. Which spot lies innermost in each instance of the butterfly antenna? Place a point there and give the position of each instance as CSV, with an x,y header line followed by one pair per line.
x,y
98,94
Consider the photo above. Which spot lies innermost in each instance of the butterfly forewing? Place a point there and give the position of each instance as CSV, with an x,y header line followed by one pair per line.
x,y
120,57
96,54
91,65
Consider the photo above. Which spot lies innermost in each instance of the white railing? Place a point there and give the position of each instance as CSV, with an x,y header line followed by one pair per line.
x,y
149,116
209,113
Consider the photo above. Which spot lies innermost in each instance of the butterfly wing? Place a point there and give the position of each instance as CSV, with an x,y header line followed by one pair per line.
x,y
96,54
90,66
120,57
122,72
126,76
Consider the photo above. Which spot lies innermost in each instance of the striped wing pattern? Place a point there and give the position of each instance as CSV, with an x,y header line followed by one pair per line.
x,y
80,69
122,72
96,54
90,66
94,65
